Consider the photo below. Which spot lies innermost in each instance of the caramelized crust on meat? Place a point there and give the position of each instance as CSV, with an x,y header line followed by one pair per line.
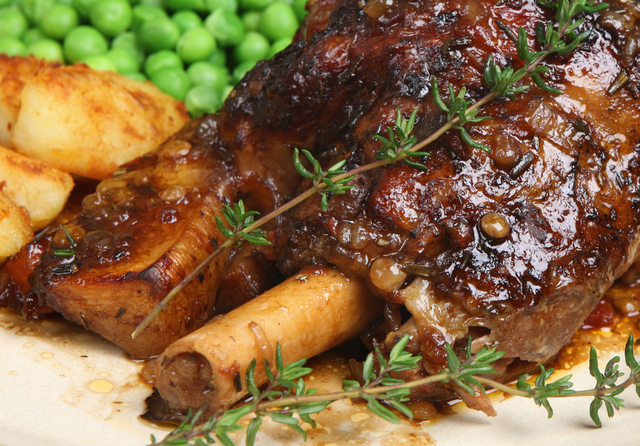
x,y
563,171
139,234
560,184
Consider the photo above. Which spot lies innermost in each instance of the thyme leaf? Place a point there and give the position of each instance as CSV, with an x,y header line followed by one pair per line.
x,y
239,220
331,185
458,108
400,141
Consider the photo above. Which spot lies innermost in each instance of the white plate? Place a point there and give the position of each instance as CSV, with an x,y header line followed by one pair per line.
x,y
63,386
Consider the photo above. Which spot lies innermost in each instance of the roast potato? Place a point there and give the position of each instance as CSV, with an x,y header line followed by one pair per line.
x,y
15,230
14,73
90,122
41,189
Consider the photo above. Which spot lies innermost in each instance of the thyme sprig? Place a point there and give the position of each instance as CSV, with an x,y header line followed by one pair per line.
x,y
337,186
398,361
400,141
239,219
604,381
400,144
459,108
283,397
465,372
543,390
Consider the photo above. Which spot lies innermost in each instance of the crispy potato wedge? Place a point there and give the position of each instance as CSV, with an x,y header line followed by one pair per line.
x,y
14,73
15,228
90,122
41,189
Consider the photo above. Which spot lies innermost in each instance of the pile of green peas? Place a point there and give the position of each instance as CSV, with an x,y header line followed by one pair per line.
x,y
193,50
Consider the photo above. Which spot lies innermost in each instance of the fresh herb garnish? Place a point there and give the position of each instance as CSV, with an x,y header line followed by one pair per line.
x,y
283,396
240,220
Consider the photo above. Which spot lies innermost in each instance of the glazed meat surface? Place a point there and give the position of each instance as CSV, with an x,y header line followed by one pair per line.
x,y
137,237
561,181
562,172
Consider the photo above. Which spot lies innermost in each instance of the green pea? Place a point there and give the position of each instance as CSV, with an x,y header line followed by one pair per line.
x,y
33,35
144,13
159,34
254,5
225,26
241,69
13,23
218,57
130,42
205,73
185,5
82,42
47,49
202,99
136,75
229,5
156,3
172,81
278,46
83,7
299,7
12,47
59,20
278,21
35,9
123,60
196,44
162,59
111,17
99,62
186,20
253,47
250,20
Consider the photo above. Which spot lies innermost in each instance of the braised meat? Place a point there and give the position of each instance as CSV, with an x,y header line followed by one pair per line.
x,y
137,237
513,248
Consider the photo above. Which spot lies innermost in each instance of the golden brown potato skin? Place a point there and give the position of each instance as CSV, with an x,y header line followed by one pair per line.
x,y
15,230
39,188
14,73
90,122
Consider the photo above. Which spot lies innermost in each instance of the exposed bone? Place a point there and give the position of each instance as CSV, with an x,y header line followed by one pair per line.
x,y
307,314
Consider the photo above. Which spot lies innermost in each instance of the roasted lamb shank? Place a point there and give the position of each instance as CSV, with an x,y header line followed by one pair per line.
x,y
513,247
